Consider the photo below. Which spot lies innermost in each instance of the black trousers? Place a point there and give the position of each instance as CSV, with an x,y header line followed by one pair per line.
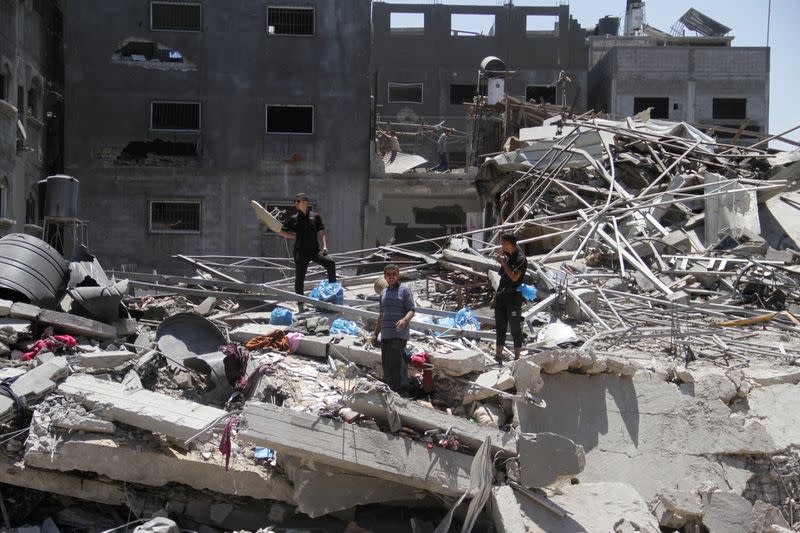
x,y
508,315
393,361
301,263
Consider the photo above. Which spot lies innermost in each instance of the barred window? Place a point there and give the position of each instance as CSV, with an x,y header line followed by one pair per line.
x,y
407,93
298,119
175,216
175,116
290,20
175,16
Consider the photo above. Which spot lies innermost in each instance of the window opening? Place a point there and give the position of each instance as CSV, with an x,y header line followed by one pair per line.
x,y
290,20
471,25
175,216
175,16
461,94
729,108
407,23
541,24
537,93
179,116
296,119
149,51
406,93
660,106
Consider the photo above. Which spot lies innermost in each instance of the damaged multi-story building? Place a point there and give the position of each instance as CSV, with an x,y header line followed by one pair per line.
x,y
692,74
181,113
429,63
31,107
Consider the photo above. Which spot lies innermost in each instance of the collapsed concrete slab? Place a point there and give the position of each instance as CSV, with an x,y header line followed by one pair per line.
x,y
321,489
591,507
727,512
134,462
652,434
674,508
77,325
356,449
459,362
497,379
33,384
101,359
420,418
174,418
545,458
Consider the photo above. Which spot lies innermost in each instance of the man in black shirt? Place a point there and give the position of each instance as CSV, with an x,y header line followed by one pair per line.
x,y
508,302
307,230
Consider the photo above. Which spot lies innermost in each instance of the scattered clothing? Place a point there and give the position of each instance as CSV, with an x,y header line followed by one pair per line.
x,y
274,341
53,344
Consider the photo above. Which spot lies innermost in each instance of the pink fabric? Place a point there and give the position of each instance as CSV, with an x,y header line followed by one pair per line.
x,y
294,340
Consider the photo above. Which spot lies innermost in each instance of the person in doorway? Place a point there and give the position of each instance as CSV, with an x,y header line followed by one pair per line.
x,y
396,312
507,301
441,150
307,230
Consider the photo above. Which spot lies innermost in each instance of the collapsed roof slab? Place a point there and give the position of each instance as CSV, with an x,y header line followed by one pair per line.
x,y
125,461
174,418
357,449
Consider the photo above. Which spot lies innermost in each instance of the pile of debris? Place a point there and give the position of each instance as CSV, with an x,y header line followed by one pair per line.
x,y
657,390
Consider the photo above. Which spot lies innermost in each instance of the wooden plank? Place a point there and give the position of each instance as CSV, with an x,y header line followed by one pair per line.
x,y
357,449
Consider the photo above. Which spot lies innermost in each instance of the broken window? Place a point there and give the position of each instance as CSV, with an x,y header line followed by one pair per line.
x,y
537,93
460,94
407,23
176,116
729,108
541,25
471,25
405,93
175,16
297,119
175,216
138,150
290,20
660,106
149,51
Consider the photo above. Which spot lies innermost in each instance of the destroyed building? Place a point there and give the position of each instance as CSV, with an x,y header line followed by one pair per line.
x,y
31,108
179,113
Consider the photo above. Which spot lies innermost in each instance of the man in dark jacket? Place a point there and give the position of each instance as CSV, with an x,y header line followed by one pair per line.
x,y
307,230
508,302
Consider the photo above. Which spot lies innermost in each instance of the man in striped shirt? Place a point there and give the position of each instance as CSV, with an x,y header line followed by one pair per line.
x,y
397,310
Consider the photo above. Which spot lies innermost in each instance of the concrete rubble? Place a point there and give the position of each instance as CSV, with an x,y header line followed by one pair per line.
x,y
657,390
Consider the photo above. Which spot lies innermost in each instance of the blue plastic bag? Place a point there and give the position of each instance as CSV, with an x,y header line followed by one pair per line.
x,y
281,316
340,325
328,292
465,319
528,291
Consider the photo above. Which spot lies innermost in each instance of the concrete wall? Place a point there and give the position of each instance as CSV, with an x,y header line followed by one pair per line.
x,y
234,69
436,59
29,43
691,77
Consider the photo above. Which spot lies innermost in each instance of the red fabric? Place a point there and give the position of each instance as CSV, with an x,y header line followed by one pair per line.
x,y
53,344
420,360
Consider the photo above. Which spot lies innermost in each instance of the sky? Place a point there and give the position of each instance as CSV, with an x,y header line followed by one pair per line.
x,y
748,19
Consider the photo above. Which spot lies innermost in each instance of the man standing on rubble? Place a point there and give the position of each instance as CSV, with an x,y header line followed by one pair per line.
x,y
396,312
507,301
307,230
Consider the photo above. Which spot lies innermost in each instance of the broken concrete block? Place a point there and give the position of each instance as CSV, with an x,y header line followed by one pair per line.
x,y
684,375
125,327
321,489
679,297
459,362
24,311
674,508
72,420
727,512
715,385
490,415
772,376
544,458
498,379
103,359
355,449
5,307
174,418
767,516
16,325
204,308
620,367
77,325
528,376
33,384
370,402
574,309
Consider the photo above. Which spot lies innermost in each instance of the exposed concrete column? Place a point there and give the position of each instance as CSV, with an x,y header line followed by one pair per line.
x,y
690,90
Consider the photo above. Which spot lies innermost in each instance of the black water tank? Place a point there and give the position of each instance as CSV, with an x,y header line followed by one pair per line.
x,y
607,26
